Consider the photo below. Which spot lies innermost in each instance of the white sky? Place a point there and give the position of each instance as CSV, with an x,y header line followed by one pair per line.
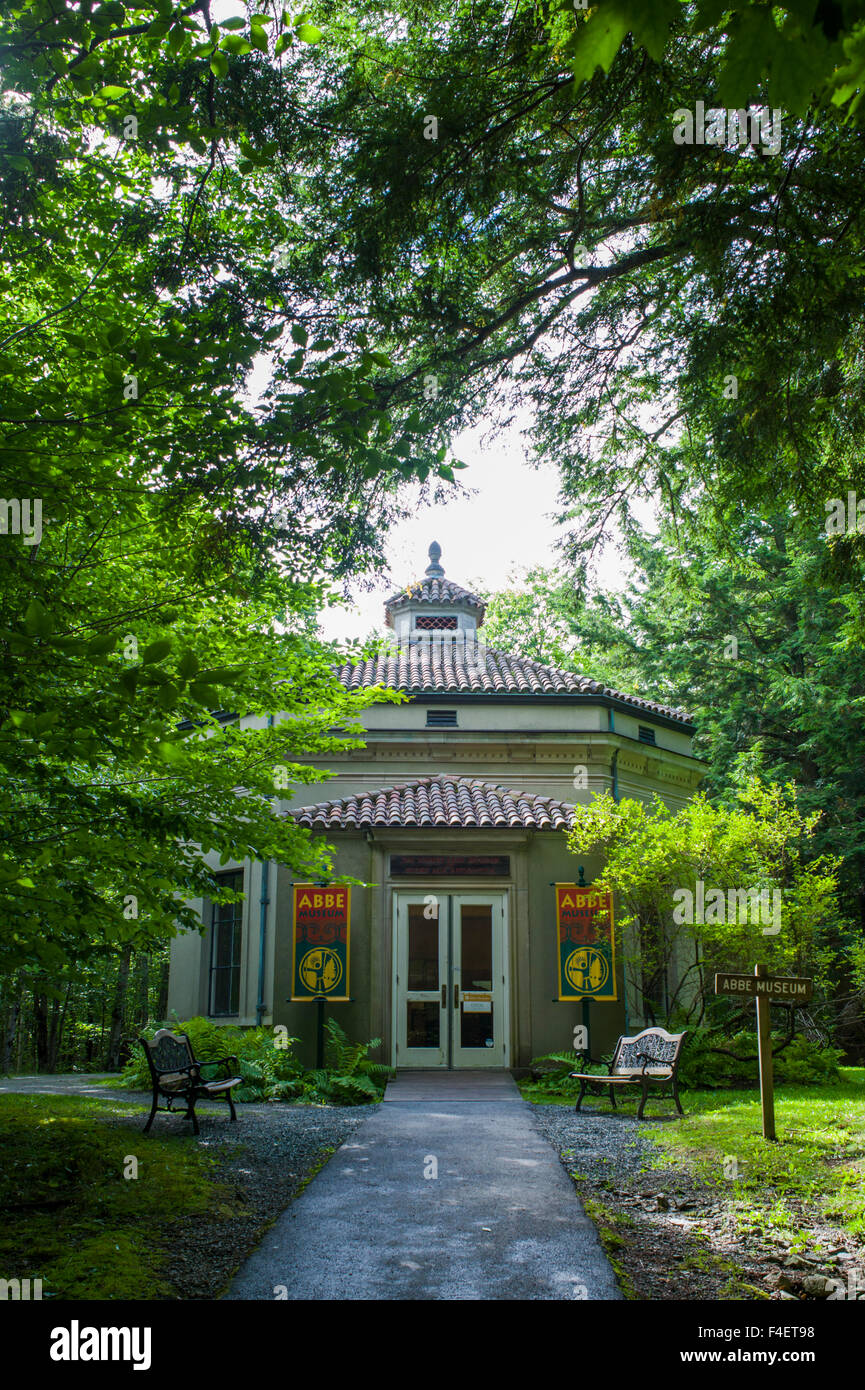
x,y
503,530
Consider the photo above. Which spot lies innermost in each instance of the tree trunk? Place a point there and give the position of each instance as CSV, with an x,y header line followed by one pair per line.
x,y
11,1030
162,1002
115,1037
40,1029
143,1000
58,1020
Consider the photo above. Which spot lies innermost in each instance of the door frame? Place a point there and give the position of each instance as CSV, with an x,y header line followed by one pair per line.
x,y
499,895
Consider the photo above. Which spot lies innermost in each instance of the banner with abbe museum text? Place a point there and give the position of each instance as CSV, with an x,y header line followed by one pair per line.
x,y
320,951
586,943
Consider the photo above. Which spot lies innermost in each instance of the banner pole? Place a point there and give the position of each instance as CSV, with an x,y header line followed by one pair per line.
x,y
319,1031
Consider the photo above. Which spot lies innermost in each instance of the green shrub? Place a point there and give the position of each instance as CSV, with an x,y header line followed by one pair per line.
x,y
710,1060
270,1072
349,1077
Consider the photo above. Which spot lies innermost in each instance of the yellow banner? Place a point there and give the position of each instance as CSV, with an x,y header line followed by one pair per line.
x,y
586,943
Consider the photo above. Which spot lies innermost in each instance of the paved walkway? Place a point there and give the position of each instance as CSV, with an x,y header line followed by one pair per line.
x,y
91,1084
499,1220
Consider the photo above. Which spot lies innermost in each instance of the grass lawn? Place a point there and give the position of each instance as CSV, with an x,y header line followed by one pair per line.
x,y
817,1166
71,1217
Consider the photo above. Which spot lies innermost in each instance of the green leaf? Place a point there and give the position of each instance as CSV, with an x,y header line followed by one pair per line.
x,y
170,752
308,33
299,334
753,38
204,695
37,620
258,38
599,39
650,25
187,665
219,64
235,43
111,93
219,675
128,681
167,696
157,651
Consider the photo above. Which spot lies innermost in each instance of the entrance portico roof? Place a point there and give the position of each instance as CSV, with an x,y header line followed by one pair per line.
x,y
464,803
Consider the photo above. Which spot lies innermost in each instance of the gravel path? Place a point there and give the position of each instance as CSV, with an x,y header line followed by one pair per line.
x,y
594,1145
262,1162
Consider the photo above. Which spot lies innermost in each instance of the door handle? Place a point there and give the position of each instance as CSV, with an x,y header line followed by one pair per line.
x,y
444,996
456,996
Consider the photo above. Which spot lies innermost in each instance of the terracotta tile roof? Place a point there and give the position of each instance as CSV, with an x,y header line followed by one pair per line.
x,y
442,666
463,803
433,590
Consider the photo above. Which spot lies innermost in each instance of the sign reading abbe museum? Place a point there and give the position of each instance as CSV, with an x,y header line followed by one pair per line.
x,y
785,989
763,988
322,924
586,944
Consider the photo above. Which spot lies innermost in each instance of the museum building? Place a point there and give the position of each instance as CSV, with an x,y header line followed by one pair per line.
x,y
453,815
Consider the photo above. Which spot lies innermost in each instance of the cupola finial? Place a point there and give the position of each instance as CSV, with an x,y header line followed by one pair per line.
x,y
434,569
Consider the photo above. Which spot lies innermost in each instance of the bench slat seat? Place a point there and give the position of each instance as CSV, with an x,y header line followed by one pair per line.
x,y
176,1075
604,1080
646,1058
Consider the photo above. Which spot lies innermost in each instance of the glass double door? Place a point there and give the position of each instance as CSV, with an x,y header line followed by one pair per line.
x,y
450,986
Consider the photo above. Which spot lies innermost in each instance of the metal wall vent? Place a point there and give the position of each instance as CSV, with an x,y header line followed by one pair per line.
x,y
441,719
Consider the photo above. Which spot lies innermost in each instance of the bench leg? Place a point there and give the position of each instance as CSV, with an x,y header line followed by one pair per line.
x,y
676,1096
231,1106
191,1115
643,1098
612,1091
580,1097
154,1107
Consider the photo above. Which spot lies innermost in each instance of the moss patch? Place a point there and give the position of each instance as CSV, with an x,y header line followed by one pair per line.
x,y
71,1216
613,1238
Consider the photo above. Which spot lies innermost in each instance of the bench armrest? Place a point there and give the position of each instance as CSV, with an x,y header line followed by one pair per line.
x,y
218,1062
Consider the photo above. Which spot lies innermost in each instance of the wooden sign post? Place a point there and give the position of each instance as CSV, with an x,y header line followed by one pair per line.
x,y
764,1055
764,988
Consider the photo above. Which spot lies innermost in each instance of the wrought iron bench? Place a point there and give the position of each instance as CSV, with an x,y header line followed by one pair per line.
x,y
177,1075
658,1052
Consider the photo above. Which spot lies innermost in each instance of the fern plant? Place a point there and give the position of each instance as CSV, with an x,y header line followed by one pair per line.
x,y
350,1077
